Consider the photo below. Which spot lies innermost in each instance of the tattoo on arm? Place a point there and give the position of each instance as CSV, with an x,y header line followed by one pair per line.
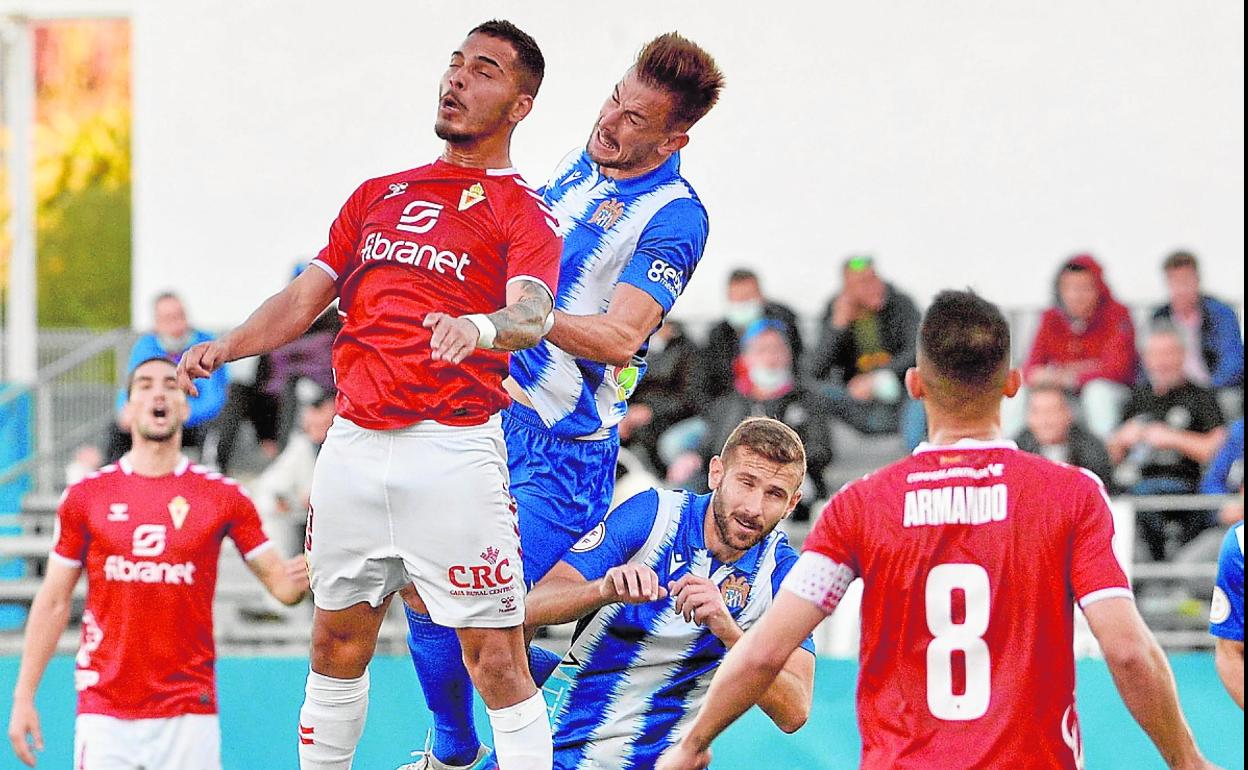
x,y
520,324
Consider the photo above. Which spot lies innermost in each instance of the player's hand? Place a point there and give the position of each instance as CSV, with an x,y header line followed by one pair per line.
x,y
684,757
297,573
201,361
453,338
700,601
844,310
24,731
631,584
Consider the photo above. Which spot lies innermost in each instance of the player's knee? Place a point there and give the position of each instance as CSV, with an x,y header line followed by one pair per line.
x,y
339,653
497,665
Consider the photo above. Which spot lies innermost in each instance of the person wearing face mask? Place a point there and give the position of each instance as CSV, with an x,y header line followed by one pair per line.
x,y
866,343
170,337
765,386
746,304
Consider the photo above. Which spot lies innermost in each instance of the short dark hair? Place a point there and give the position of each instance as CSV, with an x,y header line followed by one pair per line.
x,y
1180,259
742,274
530,64
680,67
770,439
164,295
966,340
140,365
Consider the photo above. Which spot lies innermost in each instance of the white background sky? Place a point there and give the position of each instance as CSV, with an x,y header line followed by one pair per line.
x,y
963,143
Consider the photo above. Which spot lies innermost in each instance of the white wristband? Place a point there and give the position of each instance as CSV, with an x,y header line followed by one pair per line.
x,y
486,330
548,324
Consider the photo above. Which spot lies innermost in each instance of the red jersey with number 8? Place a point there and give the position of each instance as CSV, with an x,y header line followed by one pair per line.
x,y
973,557
439,238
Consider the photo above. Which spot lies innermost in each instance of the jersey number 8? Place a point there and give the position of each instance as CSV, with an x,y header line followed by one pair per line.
x,y
964,639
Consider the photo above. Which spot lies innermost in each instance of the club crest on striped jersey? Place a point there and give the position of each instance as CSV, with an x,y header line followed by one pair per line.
x,y
471,196
736,591
607,213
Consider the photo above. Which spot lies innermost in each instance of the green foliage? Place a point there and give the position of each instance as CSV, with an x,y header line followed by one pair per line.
x,y
84,260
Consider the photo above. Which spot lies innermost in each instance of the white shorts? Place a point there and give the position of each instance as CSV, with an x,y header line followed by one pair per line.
x,y
188,742
428,504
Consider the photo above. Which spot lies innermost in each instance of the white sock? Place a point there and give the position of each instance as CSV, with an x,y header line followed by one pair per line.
x,y
331,721
522,735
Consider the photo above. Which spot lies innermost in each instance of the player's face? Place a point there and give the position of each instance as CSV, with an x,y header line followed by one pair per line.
x,y
1048,417
752,497
480,94
633,131
1183,284
157,405
1078,293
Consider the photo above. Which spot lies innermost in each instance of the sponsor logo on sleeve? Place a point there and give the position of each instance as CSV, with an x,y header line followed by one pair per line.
x,y
662,273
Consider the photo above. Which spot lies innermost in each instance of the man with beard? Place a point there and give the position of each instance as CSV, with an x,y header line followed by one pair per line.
x,y
147,532
634,231
663,588
440,271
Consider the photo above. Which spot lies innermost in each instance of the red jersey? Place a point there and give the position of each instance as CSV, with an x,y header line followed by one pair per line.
x,y
439,238
150,548
972,558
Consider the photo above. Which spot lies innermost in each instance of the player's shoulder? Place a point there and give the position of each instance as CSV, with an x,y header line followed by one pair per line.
x,y
395,181
519,195
101,479
214,482
1233,547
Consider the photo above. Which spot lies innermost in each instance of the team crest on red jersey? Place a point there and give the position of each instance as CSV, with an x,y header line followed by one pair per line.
x,y
471,196
178,509
736,592
607,214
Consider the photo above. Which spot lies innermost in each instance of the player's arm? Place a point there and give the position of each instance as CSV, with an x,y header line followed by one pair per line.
x,y
49,615
613,337
745,676
565,595
1229,659
286,579
279,320
518,325
1144,679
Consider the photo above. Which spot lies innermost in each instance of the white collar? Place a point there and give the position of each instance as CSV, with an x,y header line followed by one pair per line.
x,y
966,443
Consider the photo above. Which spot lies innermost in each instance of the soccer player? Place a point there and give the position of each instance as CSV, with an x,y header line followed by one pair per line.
x,y
634,230
1226,614
973,555
147,532
663,588
411,484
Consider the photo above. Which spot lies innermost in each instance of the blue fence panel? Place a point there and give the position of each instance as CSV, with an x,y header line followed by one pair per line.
x,y
15,445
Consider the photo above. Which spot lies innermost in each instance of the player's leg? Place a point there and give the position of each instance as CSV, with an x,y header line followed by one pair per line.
x,y
106,743
497,660
188,742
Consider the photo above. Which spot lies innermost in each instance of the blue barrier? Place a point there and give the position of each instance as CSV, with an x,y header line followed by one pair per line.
x,y
260,700
15,446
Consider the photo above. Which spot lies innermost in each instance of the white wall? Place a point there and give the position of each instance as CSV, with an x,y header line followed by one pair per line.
x,y
964,143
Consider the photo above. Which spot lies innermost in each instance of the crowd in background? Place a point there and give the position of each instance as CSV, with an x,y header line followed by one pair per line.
x,y
1151,408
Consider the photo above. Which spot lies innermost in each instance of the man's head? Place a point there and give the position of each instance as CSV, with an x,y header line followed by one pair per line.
x,y
757,481
490,84
1182,281
1049,415
1078,289
671,86
745,298
1164,352
863,284
173,331
766,356
963,358
157,406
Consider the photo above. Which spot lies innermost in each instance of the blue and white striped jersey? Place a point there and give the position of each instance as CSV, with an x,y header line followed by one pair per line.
x,y
648,232
635,675
1226,613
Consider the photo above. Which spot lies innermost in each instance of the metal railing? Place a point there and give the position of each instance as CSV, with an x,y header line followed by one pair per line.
x,y
72,397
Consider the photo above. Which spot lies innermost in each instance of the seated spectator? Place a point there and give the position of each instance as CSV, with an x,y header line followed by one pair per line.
x,y
171,336
1210,329
764,387
1086,344
746,304
866,343
1171,428
282,490
666,395
1053,432
1225,475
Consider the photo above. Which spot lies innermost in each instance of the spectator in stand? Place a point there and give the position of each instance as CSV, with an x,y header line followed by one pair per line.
x,y
765,386
1052,432
866,344
171,336
1086,344
1210,329
746,304
1225,475
1171,428
667,394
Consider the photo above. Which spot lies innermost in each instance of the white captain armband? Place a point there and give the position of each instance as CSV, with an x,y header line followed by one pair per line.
x,y
549,323
819,580
486,330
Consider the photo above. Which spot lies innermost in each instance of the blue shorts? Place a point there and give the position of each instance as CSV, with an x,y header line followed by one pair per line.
x,y
562,487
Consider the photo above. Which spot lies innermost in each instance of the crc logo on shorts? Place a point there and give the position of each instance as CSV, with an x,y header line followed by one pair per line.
x,y
149,540
668,277
492,578
419,217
